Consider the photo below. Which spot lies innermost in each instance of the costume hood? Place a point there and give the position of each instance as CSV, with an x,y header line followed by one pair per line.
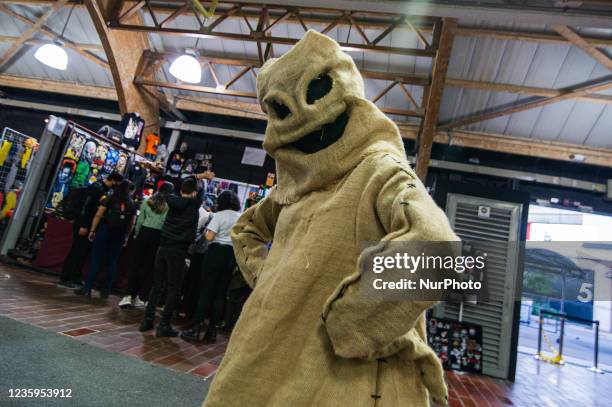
x,y
320,126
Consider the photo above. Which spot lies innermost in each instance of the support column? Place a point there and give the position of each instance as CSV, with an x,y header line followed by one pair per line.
x,y
123,50
434,96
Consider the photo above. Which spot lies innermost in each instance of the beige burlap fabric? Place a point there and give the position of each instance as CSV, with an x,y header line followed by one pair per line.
x,y
306,337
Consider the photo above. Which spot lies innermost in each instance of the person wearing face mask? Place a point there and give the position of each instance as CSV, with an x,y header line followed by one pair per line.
x,y
87,206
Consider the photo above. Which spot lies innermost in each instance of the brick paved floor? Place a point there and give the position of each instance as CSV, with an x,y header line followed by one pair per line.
x,y
33,298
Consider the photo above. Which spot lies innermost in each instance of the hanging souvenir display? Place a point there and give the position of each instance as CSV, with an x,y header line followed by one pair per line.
x,y
10,201
189,168
152,143
132,126
121,162
93,177
61,189
5,150
75,146
81,176
112,156
457,344
111,134
30,145
100,156
175,164
162,154
89,151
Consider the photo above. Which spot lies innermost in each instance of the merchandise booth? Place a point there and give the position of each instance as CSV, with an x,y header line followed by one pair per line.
x,y
74,157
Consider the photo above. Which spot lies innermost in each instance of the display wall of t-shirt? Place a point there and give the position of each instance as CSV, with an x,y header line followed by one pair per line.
x,y
138,175
175,164
189,167
132,126
152,143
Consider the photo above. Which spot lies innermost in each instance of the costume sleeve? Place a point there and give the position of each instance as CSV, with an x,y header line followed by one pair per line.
x,y
251,235
372,328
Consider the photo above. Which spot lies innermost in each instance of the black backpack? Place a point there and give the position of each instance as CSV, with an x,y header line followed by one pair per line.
x,y
74,203
118,217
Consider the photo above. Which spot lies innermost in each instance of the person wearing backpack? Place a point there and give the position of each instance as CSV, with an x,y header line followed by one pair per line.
x,y
110,230
84,203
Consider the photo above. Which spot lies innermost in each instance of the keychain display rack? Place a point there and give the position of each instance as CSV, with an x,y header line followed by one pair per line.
x,y
13,155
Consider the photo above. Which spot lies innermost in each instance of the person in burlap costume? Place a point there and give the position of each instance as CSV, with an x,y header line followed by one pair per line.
x,y
306,337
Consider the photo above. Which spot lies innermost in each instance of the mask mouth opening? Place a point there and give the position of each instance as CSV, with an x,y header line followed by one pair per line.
x,y
324,137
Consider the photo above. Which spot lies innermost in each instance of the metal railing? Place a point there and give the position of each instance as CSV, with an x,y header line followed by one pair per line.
x,y
558,357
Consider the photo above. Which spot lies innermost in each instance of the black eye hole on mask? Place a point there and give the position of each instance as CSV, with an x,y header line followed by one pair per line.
x,y
318,87
281,111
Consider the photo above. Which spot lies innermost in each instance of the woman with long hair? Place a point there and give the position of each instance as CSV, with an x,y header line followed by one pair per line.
x,y
109,232
146,240
217,268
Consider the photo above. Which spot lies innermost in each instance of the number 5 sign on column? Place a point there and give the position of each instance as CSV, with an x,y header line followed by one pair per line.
x,y
586,293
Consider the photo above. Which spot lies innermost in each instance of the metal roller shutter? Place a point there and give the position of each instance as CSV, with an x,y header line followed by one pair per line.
x,y
497,234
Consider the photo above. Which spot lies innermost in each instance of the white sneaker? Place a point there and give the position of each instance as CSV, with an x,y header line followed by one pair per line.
x,y
137,302
126,302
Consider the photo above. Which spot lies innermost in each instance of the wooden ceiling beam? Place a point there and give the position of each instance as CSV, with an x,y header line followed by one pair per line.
x,y
523,90
88,47
529,147
434,99
60,87
584,45
29,33
123,51
585,89
83,51
483,141
404,78
512,35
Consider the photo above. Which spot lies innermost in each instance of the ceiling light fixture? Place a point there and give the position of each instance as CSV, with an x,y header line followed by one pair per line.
x,y
53,54
187,67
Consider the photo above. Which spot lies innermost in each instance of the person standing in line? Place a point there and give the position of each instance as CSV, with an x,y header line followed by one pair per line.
x,y
73,264
217,268
178,232
191,282
110,231
147,234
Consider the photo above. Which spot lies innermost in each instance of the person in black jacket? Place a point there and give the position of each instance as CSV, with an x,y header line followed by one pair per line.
x,y
178,232
73,264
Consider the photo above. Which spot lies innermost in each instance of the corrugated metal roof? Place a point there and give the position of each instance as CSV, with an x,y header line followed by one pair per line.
x,y
79,30
543,65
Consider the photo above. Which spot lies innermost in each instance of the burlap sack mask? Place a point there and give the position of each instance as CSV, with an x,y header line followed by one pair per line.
x,y
320,125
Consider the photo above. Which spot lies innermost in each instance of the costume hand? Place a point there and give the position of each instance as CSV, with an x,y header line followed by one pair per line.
x,y
83,231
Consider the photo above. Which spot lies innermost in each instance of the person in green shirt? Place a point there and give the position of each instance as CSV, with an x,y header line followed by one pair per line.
x,y
147,234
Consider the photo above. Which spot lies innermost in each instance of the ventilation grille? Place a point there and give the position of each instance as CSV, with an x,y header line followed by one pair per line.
x,y
491,235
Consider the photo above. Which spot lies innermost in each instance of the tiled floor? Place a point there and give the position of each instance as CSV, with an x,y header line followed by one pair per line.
x,y
33,298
